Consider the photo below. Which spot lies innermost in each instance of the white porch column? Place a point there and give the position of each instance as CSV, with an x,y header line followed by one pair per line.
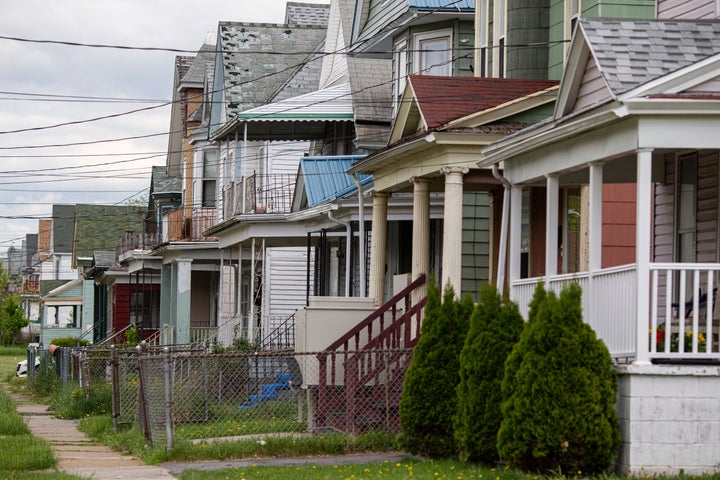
x,y
421,233
643,224
452,228
183,268
595,227
515,240
552,204
378,246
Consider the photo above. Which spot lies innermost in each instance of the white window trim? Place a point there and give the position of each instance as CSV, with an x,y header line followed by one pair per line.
x,y
401,52
500,27
420,37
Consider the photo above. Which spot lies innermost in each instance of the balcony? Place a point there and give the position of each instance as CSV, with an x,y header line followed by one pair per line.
x,y
136,241
682,325
259,194
178,228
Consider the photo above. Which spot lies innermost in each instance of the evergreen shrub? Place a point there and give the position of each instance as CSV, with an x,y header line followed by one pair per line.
x,y
429,399
559,390
495,328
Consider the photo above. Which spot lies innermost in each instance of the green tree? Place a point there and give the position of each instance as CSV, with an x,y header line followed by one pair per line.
x,y
429,400
12,319
495,328
559,391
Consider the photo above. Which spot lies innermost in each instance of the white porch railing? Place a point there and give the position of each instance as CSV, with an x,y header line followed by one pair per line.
x,y
683,298
682,302
608,303
203,335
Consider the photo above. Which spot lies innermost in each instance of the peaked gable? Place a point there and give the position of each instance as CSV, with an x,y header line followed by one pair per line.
x,y
629,54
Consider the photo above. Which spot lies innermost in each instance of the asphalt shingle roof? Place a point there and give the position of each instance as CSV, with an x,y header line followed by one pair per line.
x,y
630,53
195,72
99,227
444,99
252,69
161,183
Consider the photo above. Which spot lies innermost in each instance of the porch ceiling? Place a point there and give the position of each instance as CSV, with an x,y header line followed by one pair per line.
x,y
616,142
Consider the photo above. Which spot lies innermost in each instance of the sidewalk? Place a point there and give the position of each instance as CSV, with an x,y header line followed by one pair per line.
x,y
78,455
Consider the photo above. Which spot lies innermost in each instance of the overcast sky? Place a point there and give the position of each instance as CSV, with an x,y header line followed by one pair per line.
x,y
34,75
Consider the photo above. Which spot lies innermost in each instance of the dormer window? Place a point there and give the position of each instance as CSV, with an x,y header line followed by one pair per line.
x,y
400,73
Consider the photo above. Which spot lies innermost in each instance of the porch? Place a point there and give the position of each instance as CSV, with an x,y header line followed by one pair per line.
x,y
683,326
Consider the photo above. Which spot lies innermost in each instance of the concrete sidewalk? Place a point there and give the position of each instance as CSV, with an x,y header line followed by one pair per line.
x,y
76,453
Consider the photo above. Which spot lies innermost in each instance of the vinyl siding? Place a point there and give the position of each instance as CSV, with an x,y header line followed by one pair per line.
x,y
686,9
475,242
285,280
592,89
709,86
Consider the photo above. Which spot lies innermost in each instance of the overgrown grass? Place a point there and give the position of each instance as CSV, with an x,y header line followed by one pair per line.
x,y
72,402
20,450
9,357
131,440
23,475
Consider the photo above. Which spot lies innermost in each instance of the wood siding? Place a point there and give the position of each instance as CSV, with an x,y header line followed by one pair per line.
x,y
618,243
592,89
686,9
475,242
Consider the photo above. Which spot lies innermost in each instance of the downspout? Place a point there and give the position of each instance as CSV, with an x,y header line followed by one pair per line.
x,y
361,240
348,250
241,167
502,253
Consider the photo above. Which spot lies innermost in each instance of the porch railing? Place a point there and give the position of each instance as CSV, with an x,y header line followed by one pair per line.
x,y
259,194
682,322
203,335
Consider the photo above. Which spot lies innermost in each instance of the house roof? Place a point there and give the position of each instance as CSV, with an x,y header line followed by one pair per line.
x,y
630,53
99,227
258,58
161,183
329,104
325,178
299,13
63,217
195,72
441,100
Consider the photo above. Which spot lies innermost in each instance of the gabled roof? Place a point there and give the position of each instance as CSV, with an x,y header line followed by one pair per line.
x,y
628,54
431,103
161,183
63,218
194,75
325,179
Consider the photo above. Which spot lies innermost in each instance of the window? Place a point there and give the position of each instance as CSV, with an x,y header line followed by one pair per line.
x,y
574,14
433,51
209,177
145,309
500,30
400,72
686,208
481,58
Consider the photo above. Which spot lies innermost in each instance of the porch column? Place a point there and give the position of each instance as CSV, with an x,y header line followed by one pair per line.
x,y
166,307
421,233
515,240
183,268
643,224
595,227
378,246
551,224
452,228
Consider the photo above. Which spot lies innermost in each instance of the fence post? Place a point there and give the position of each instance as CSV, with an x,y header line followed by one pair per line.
x,y
115,385
31,354
168,401
64,364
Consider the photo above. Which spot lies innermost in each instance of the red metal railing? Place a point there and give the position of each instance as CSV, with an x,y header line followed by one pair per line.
x,y
370,359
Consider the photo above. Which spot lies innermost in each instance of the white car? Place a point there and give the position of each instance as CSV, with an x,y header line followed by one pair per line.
x,y
21,370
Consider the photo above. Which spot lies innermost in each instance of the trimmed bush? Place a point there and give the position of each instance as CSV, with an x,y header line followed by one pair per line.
x,y
559,392
495,328
429,400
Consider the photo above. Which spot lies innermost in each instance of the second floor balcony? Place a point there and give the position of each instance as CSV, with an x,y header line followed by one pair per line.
x,y
259,194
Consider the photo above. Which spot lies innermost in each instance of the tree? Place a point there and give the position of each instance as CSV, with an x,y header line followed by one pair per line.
x,y
559,392
495,328
12,319
429,400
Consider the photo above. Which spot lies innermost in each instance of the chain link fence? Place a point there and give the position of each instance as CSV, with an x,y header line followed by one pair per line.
x,y
180,393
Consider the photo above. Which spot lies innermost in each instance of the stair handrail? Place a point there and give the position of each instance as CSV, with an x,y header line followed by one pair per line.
x,y
113,335
390,305
282,330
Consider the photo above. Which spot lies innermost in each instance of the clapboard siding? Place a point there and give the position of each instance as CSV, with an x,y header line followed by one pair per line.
x,y
664,215
285,280
475,242
707,206
686,9
284,157
712,86
592,89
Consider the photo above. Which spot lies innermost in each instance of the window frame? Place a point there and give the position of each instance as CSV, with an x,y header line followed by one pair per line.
x,y
418,54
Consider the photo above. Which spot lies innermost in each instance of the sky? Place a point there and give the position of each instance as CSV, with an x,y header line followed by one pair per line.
x,y
46,84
